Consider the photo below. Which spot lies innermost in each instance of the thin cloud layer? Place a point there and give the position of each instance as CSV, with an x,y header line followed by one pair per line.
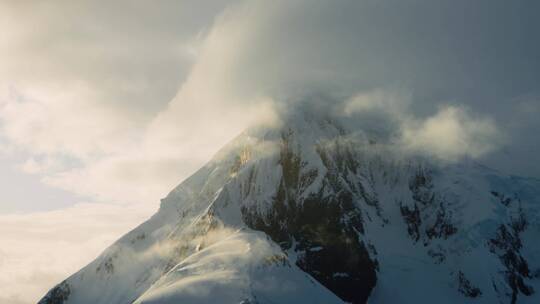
x,y
41,249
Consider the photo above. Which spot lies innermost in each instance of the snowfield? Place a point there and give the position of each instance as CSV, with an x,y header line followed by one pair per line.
x,y
242,267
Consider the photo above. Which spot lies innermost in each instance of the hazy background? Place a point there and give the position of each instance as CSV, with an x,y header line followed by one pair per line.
x,y
104,107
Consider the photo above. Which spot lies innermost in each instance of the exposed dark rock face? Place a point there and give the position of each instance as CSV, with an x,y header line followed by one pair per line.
x,y
438,254
57,295
443,226
428,216
506,245
324,230
466,287
331,250
413,220
421,186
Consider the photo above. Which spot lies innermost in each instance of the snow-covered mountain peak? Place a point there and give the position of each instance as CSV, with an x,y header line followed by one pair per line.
x,y
313,211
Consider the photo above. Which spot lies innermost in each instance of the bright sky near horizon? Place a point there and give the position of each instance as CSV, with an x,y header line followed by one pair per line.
x,y
106,106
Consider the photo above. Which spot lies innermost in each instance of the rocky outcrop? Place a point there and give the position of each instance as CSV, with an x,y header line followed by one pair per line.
x,y
466,287
323,230
506,245
57,295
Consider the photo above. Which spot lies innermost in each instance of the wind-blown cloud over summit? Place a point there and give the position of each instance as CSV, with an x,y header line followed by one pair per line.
x,y
460,68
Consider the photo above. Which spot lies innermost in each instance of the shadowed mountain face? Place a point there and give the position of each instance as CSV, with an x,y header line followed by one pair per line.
x,y
314,212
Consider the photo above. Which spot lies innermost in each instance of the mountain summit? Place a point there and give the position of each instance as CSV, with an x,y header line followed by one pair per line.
x,y
315,212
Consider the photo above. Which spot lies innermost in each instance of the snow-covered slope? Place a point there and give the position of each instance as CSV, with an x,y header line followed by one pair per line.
x,y
241,267
314,211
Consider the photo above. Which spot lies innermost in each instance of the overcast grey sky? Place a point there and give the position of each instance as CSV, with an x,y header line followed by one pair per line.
x,y
115,102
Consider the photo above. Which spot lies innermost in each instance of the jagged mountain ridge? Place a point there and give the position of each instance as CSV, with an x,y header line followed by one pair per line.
x,y
315,212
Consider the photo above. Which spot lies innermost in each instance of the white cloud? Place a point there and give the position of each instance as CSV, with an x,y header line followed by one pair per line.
x,y
451,134
77,93
246,65
103,87
49,120
121,156
41,249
